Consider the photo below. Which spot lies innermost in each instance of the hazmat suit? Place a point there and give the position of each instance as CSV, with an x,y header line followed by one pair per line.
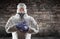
x,y
13,27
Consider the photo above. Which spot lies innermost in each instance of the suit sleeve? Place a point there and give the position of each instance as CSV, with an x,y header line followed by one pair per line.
x,y
34,26
10,25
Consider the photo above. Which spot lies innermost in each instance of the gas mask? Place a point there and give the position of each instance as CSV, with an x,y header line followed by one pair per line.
x,y
21,9
21,14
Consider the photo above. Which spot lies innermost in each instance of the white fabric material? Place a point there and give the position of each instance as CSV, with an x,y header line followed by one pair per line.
x,y
28,36
14,35
16,19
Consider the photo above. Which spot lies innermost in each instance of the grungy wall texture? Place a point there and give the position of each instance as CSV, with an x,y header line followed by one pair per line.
x,y
46,15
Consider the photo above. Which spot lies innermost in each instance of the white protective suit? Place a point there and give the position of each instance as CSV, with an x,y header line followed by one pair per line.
x,y
13,20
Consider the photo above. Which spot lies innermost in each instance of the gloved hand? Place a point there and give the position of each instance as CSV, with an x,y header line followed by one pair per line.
x,y
23,27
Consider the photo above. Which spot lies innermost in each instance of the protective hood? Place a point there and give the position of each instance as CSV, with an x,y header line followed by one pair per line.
x,y
22,5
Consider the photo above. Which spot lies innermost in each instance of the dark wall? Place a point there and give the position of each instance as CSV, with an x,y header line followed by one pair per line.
x,y
46,13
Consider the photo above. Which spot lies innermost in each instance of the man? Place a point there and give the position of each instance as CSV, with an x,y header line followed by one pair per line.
x,y
21,25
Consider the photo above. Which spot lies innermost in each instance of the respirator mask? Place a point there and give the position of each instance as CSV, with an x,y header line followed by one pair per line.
x,y
21,12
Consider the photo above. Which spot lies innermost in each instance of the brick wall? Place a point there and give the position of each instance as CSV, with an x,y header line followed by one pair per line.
x,y
48,19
